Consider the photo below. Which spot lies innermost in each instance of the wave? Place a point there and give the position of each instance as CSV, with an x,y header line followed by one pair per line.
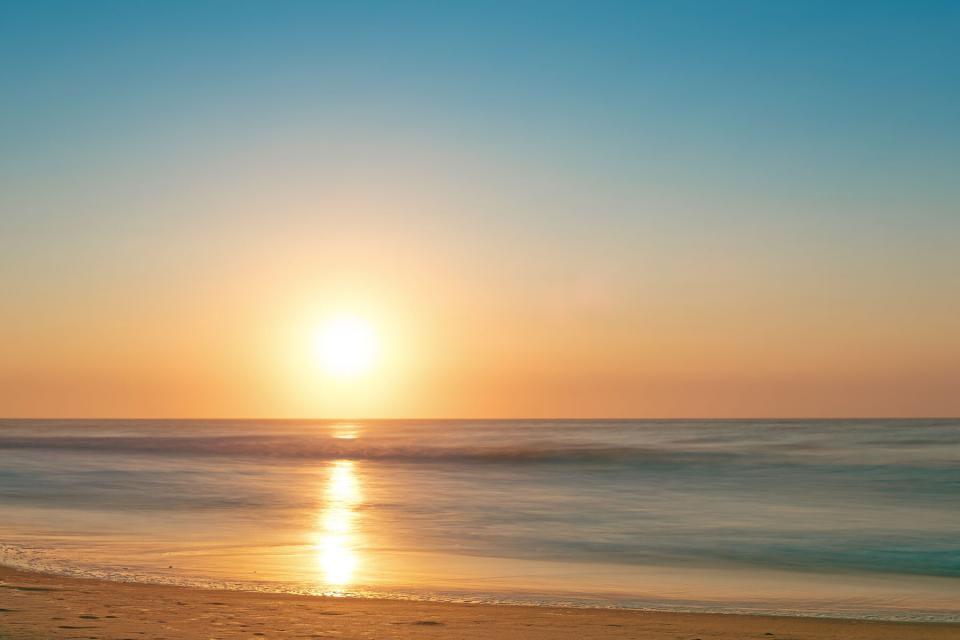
x,y
325,449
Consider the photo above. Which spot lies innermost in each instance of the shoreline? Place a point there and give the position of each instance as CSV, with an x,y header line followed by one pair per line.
x,y
827,609
36,605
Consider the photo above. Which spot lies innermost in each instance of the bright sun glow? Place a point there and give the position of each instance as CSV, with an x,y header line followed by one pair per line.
x,y
347,346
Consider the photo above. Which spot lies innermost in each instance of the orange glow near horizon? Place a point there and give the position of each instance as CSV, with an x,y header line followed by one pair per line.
x,y
440,336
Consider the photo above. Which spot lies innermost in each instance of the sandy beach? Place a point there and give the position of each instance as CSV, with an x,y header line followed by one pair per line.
x,y
34,606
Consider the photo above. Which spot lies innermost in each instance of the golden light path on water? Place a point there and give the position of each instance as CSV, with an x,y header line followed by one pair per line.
x,y
337,538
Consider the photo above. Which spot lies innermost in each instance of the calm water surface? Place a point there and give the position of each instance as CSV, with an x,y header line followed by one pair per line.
x,y
850,518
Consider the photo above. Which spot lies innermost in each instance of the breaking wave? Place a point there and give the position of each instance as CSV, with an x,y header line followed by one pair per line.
x,y
322,448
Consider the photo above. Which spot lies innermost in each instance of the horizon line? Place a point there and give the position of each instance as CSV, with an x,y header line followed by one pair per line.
x,y
502,419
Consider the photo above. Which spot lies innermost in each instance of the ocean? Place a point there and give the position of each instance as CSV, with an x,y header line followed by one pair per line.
x,y
848,518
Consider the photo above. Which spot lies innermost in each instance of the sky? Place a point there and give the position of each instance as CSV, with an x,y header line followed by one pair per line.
x,y
541,209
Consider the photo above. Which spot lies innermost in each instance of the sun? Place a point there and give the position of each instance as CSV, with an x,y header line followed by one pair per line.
x,y
346,346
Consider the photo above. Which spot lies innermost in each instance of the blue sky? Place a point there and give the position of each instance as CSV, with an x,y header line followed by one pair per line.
x,y
856,78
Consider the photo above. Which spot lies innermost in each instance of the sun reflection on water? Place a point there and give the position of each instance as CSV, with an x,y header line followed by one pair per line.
x,y
336,536
345,431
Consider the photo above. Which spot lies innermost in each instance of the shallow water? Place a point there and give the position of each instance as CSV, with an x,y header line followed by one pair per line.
x,y
849,518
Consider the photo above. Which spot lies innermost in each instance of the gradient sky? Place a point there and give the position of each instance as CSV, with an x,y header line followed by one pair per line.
x,y
553,209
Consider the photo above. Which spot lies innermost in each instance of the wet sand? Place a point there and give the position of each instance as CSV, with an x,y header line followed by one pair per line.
x,y
34,606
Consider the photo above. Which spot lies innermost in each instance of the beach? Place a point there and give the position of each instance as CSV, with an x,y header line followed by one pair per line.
x,y
36,606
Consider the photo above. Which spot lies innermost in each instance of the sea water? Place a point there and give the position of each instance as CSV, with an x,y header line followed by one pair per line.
x,y
855,518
